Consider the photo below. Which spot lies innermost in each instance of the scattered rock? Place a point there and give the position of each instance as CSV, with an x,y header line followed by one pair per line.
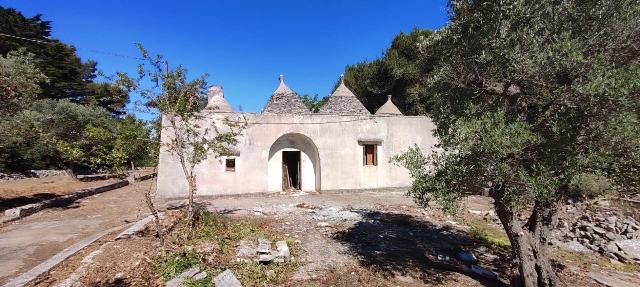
x,y
631,247
596,230
246,249
226,279
282,250
574,246
483,271
265,258
335,214
615,279
178,280
135,228
264,246
200,276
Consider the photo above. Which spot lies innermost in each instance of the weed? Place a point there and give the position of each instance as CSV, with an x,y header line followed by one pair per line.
x,y
488,235
204,282
256,274
173,264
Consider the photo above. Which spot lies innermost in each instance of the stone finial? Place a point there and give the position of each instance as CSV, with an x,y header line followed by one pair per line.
x,y
389,97
216,101
281,78
215,91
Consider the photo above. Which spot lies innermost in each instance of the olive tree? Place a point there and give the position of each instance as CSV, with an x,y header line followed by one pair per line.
x,y
534,101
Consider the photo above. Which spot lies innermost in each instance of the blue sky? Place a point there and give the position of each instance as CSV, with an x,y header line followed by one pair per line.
x,y
242,45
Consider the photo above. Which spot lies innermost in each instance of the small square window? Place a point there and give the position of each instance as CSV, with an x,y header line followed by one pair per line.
x,y
230,164
369,156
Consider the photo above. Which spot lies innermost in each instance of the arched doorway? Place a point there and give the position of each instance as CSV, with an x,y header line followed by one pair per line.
x,y
294,163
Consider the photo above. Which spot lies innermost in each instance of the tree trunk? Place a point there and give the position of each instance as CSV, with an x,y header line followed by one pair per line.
x,y
192,190
528,245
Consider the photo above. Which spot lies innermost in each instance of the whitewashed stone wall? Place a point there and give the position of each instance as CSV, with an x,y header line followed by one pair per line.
x,y
331,153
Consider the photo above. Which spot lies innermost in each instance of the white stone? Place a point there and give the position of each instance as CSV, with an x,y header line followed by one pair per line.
x,y
178,280
226,279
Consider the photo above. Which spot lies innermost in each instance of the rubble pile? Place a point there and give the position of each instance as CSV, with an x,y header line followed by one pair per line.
x,y
610,234
263,253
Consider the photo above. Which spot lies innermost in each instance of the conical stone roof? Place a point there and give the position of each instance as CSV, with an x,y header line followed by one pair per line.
x,y
389,109
284,101
343,102
216,101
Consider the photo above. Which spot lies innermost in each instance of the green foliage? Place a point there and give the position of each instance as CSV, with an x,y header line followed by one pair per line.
x,y
399,73
62,134
313,103
529,104
191,137
172,265
534,102
55,114
68,76
19,79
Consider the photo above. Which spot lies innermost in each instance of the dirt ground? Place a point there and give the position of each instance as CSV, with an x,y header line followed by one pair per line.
x,y
29,241
349,239
15,193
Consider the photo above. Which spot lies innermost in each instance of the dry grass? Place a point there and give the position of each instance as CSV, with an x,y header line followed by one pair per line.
x,y
586,260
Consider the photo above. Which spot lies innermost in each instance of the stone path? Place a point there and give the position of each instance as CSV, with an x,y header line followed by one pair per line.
x,y
30,241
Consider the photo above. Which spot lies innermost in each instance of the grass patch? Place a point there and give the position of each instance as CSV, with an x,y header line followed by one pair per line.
x,y
172,265
490,236
587,259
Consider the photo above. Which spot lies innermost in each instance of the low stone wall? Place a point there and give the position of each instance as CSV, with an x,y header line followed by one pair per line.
x,y
35,174
29,209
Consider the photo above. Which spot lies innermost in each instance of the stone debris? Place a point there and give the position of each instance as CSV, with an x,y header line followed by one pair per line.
x,y
630,247
615,279
574,246
199,276
178,280
35,174
482,271
226,279
135,228
264,254
608,233
282,251
264,246
246,249
336,214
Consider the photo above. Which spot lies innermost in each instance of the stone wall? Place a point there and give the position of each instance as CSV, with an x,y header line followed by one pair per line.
x,y
338,165
34,174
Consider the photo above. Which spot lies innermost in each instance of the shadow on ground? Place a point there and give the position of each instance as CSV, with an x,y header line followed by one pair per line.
x,y
8,203
400,244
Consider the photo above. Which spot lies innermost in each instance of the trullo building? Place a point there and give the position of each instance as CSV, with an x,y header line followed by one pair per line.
x,y
287,147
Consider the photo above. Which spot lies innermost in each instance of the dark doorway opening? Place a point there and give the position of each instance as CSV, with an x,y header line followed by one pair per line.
x,y
291,170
